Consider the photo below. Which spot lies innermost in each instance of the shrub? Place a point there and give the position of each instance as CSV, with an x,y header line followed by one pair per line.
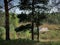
x,y
2,31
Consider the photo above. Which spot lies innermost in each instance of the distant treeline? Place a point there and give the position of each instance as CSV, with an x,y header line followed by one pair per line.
x,y
53,18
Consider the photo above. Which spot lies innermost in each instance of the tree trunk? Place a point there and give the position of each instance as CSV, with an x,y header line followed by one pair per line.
x,y
37,32
32,30
7,19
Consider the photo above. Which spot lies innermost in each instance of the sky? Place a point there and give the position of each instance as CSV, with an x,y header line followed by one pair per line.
x,y
51,2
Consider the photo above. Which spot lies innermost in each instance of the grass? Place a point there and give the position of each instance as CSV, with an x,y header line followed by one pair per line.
x,y
51,26
52,37
18,42
26,42
52,34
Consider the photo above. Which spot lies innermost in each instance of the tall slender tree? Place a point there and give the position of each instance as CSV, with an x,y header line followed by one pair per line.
x,y
7,19
32,29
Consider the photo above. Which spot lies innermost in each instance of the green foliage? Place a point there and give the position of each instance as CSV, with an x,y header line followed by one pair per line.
x,y
24,35
13,20
22,17
2,32
2,18
53,18
13,24
27,4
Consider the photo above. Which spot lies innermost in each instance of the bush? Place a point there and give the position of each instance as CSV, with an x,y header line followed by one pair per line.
x,y
2,31
12,32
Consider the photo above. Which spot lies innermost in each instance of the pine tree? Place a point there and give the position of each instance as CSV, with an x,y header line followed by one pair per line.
x,y
7,19
33,5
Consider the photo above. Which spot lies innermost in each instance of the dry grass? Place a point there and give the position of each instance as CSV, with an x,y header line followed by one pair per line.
x,y
51,26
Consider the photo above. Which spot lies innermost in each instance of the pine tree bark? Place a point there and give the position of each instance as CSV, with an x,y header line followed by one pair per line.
x,y
6,19
32,30
37,32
